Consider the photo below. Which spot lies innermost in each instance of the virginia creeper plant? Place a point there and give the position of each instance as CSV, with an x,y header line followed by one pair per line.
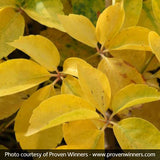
x,y
91,70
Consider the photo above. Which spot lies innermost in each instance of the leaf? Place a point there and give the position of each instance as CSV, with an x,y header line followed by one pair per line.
x,y
109,23
2,147
156,9
95,86
69,147
70,65
59,109
45,12
80,28
71,86
147,18
154,41
8,3
130,56
67,45
88,9
10,104
132,12
133,94
134,38
88,134
19,74
11,27
137,133
119,73
41,140
45,54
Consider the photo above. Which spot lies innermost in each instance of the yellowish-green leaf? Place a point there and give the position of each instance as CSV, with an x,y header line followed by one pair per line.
x,y
137,133
2,147
40,49
45,12
11,27
67,45
83,132
130,56
80,28
41,140
147,18
78,147
70,66
10,104
133,94
19,74
132,12
156,9
154,41
135,38
119,73
8,3
95,86
58,110
71,86
109,23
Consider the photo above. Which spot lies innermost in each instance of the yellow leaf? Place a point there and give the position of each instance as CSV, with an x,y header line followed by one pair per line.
x,y
45,12
119,73
156,9
80,28
70,65
70,147
83,132
71,86
132,12
109,23
19,74
10,104
154,41
137,133
11,27
133,94
47,139
40,49
135,38
95,86
130,56
59,109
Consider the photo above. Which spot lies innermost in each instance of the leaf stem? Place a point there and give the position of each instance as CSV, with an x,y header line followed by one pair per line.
x,y
147,63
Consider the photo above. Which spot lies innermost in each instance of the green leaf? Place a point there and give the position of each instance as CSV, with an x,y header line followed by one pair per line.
x,y
10,104
137,133
41,140
133,94
19,74
71,86
119,73
8,3
80,28
11,27
88,134
134,38
45,12
132,12
88,9
109,23
95,86
45,54
58,110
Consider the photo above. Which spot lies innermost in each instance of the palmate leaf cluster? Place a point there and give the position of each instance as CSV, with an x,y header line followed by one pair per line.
x,y
109,69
